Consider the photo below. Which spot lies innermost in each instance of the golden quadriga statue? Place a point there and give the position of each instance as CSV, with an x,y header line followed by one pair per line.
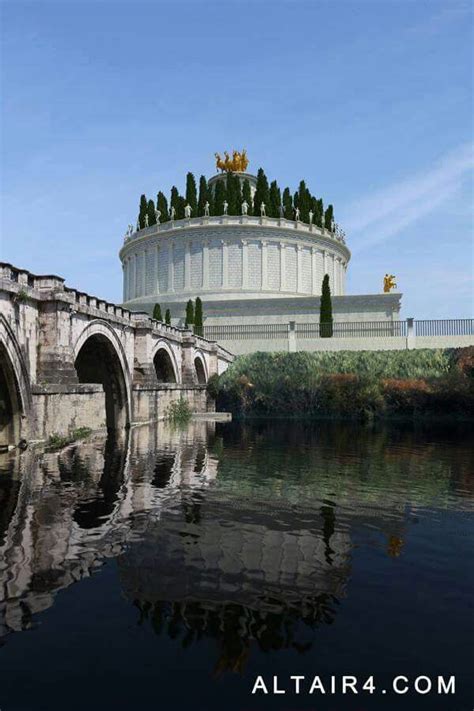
x,y
237,164
389,283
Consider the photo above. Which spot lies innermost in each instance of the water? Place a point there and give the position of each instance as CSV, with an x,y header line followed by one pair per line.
x,y
171,569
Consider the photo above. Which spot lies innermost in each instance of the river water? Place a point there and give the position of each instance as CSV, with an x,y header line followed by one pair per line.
x,y
171,569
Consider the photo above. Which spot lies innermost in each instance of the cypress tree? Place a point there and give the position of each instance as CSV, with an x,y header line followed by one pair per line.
x,y
246,195
189,314
234,194
162,206
151,212
318,210
168,317
329,216
275,200
220,195
288,204
157,313
143,211
180,208
325,310
262,192
198,318
191,196
203,195
174,201
303,201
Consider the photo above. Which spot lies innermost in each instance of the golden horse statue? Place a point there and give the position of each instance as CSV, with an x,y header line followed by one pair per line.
x,y
237,164
389,283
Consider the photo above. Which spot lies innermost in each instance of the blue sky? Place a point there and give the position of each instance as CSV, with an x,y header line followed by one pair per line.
x,y
369,102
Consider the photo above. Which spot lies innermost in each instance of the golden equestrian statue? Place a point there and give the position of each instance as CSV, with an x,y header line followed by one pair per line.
x,y
389,283
237,164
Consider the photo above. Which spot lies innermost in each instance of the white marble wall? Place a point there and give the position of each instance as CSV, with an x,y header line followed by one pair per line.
x,y
173,266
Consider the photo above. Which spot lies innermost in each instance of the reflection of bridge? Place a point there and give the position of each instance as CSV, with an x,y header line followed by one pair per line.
x,y
70,360
52,536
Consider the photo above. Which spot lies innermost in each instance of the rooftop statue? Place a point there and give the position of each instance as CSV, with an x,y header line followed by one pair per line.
x,y
187,211
237,164
245,207
206,209
389,283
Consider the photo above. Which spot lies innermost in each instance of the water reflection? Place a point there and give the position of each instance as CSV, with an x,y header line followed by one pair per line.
x,y
244,536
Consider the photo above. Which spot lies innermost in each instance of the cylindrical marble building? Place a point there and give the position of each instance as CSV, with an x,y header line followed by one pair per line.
x,y
229,258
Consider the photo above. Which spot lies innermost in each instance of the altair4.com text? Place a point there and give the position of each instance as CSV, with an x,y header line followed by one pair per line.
x,y
347,684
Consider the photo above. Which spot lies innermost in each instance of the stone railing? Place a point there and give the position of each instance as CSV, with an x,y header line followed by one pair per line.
x,y
26,286
234,220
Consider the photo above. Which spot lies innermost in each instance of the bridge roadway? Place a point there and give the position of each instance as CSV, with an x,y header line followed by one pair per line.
x,y
71,360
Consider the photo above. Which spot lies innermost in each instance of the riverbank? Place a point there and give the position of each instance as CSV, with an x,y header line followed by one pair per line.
x,y
356,385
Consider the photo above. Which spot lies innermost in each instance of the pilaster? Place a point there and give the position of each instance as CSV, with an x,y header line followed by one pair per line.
x,y
170,266
245,264
205,265
282,266
225,265
264,265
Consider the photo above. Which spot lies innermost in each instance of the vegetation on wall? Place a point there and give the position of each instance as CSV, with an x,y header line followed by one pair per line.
x,y
233,192
354,384
168,317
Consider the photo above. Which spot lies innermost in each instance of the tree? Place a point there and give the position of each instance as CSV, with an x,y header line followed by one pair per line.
x,y
220,195
151,212
168,317
303,201
247,194
143,211
325,310
180,208
262,192
234,194
191,196
162,206
203,195
189,314
328,217
174,200
287,204
157,315
198,318
275,200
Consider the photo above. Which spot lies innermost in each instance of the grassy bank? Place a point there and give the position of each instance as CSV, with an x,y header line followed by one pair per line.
x,y
349,384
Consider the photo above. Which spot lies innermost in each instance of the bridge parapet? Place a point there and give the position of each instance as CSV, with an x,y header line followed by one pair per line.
x,y
66,338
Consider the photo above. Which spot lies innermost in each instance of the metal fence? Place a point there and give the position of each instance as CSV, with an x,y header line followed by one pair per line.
x,y
349,329
445,327
269,331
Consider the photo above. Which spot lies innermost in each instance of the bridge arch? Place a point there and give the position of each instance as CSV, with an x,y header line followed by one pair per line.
x,y
99,357
15,395
165,364
200,367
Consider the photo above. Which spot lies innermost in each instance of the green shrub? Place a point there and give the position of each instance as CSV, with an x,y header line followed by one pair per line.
x,y
179,412
347,383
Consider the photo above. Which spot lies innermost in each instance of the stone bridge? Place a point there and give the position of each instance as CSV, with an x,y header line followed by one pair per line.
x,y
69,360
